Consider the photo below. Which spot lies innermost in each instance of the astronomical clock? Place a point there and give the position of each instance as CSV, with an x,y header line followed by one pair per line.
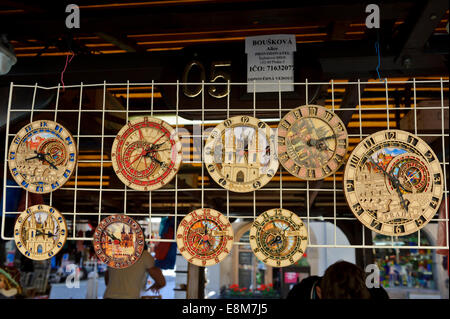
x,y
393,182
42,156
240,154
205,237
146,154
278,237
40,232
119,241
312,142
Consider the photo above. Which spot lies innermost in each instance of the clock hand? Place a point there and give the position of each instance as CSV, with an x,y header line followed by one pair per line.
x,y
395,182
158,161
51,164
112,236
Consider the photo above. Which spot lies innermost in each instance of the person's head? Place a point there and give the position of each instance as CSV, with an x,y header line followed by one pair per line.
x,y
343,280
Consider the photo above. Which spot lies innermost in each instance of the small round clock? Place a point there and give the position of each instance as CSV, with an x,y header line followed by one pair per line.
x,y
393,182
312,142
40,232
146,154
42,156
240,154
205,237
118,241
278,237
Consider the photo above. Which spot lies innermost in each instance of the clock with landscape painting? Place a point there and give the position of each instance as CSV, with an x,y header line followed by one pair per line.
x,y
393,182
146,154
205,237
42,156
118,241
40,232
312,142
278,237
240,154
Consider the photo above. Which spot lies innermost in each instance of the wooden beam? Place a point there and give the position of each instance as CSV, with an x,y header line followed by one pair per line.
x,y
121,42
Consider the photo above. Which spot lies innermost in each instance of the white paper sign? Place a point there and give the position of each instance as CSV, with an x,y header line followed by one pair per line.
x,y
270,59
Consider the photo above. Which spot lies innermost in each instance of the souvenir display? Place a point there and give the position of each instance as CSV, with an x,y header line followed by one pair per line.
x,y
119,241
393,182
312,142
40,232
278,237
240,154
42,156
205,237
146,154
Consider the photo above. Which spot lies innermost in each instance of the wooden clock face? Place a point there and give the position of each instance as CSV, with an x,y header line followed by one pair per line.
x,y
240,154
393,182
40,232
146,154
205,237
312,142
119,241
278,237
42,156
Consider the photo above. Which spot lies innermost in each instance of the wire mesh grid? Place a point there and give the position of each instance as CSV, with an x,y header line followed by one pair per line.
x,y
278,186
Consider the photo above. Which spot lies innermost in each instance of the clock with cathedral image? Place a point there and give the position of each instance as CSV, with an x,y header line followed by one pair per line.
x,y
119,241
393,182
40,232
240,154
42,156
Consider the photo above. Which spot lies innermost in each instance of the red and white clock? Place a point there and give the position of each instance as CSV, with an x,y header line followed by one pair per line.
x,y
205,237
146,154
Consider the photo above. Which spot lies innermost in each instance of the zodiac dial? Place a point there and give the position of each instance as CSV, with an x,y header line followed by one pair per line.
x,y
240,154
40,232
204,237
118,241
146,154
312,142
42,156
278,237
393,182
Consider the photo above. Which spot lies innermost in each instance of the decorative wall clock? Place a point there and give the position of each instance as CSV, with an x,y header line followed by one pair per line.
x,y
42,156
393,182
278,237
240,154
40,232
146,154
205,237
312,142
119,241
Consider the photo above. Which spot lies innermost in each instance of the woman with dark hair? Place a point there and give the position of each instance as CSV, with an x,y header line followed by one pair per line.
x,y
343,280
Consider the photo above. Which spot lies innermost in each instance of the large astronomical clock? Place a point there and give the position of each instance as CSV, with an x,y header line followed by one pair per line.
x,y
205,237
119,241
312,142
146,154
40,232
240,154
393,182
278,237
42,156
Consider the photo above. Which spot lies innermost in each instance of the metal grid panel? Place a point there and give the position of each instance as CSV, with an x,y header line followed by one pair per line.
x,y
438,83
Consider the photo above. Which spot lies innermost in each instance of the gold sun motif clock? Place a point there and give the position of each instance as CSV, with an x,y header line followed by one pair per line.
x,y
119,241
312,142
393,182
240,154
146,154
278,237
40,232
205,237
42,156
